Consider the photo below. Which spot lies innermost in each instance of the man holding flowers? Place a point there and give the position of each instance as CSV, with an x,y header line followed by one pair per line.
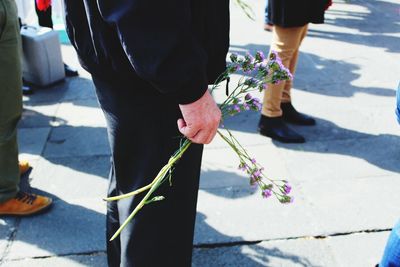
x,y
151,62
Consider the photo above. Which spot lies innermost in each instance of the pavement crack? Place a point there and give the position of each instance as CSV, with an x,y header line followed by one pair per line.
x,y
10,241
86,253
255,242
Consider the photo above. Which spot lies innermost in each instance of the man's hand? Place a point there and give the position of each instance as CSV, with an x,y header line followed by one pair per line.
x,y
200,119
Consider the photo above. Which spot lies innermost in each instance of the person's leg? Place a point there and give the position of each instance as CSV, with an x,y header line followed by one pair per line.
x,y
143,135
285,41
267,22
391,255
10,99
44,17
12,201
290,114
291,65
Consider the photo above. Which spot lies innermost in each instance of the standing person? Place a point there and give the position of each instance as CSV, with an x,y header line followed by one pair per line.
x,y
267,22
12,200
43,12
151,62
391,255
290,20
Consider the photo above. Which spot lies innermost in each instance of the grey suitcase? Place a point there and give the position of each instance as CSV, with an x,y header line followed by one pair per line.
x,y
42,61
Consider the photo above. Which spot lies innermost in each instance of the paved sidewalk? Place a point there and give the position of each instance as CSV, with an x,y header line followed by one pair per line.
x,y
346,177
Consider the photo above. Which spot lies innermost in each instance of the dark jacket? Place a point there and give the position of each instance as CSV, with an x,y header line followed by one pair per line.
x,y
179,46
296,13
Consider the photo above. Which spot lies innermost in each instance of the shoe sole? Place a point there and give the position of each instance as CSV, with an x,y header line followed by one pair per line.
x,y
42,209
282,140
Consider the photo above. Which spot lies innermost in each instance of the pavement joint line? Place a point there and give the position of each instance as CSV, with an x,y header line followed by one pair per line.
x,y
10,241
254,242
76,157
87,253
33,103
53,118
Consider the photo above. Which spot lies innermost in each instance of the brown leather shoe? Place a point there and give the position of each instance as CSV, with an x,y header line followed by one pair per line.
x,y
23,167
25,204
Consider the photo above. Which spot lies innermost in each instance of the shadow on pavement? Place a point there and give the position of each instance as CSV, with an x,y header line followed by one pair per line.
x,y
328,138
65,229
323,76
239,254
385,16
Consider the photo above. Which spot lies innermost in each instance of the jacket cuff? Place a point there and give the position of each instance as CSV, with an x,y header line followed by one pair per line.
x,y
191,91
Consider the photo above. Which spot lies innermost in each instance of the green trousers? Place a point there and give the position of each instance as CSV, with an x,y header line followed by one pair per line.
x,y
10,98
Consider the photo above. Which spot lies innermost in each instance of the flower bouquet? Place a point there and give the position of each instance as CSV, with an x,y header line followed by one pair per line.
x,y
258,71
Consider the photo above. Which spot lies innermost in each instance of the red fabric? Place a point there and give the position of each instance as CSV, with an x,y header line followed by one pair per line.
x,y
42,5
328,5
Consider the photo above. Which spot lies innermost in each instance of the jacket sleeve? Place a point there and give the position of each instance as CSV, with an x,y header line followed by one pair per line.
x,y
160,44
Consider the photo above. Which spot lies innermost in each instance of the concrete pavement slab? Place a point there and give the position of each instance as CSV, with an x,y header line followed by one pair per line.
x,y
348,205
7,226
32,142
358,250
84,112
282,253
69,228
223,163
73,177
336,160
71,89
95,259
237,214
34,116
77,141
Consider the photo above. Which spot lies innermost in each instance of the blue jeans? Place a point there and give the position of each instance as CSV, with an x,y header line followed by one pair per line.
x,y
391,255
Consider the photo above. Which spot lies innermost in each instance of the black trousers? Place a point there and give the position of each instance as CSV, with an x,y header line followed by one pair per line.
x,y
143,135
44,17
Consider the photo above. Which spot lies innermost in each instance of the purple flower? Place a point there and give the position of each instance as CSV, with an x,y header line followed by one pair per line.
x,y
253,160
251,82
248,96
286,199
260,56
266,193
248,58
256,174
273,55
234,57
232,68
287,188
236,108
243,166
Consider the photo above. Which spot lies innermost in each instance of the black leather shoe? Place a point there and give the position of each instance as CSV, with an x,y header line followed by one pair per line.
x,y
291,115
69,72
277,129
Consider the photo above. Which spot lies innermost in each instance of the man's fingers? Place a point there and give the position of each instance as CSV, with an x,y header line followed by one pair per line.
x,y
199,138
203,137
187,131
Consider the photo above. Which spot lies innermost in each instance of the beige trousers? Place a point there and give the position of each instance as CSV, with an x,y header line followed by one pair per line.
x,y
286,42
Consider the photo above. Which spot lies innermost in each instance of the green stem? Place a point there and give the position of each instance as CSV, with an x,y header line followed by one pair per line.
x,y
155,184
